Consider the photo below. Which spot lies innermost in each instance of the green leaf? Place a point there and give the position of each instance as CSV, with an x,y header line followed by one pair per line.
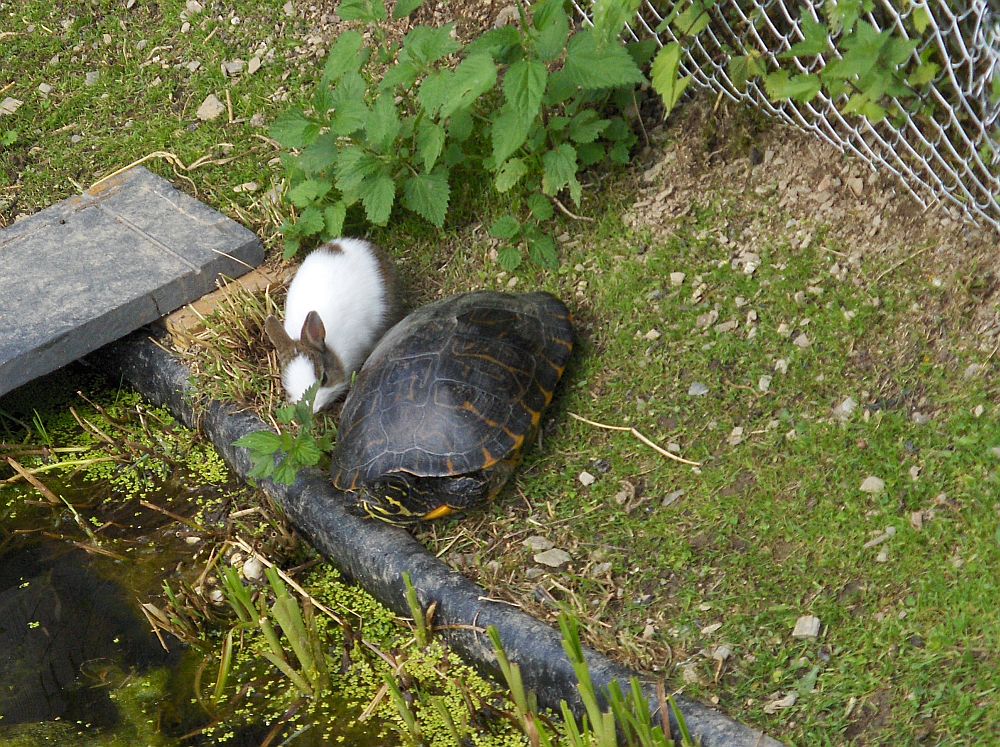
x,y
802,88
540,207
345,56
430,143
461,125
307,192
510,173
292,246
610,16
471,79
505,227
543,252
333,217
434,91
665,76
260,442
383,123
921,18
621,153
815,40
401,74
585,127
424,45
744,68
508,134
509,258
843,15
377,195
642,51
559,166
353,167
592,67
427,195
292,129
405,7
8,138
924,74
497,43
523,87
320,155
369,11
552,26
695,19
310,221
305,451
861,104
559,89
350,113
590,153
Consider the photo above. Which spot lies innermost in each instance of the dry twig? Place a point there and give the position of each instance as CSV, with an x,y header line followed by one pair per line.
x,y
637,434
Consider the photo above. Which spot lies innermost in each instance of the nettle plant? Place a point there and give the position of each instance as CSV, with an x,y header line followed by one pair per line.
x,y
528,106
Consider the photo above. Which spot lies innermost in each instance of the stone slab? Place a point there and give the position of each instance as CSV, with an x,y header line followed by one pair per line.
x,y
94,267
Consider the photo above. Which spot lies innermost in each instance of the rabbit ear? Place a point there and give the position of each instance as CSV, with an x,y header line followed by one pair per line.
x,y
313,331
279,338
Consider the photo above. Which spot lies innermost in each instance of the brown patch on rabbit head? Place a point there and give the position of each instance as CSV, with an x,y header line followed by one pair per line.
x,y
311,344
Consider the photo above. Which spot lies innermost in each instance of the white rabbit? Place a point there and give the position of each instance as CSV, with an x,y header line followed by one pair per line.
x,y
343,298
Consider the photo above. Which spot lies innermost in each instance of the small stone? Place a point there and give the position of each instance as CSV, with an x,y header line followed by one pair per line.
x,y
288,8
917,520
995,451
252,569
141,45
883,556
254,65
978,411
677,278
232,68
920,418
971,371
185,27
722,652
915,472
601,569
781,366
672,498
727,326
210,108
653,334
806,626
736,436
872,484
75,138
92,77
537,543
246,187
216,596
554,558
781,703
10,105
740,302
192,539
689,674
764,383
784,330
193,7
258,120
802,341
709,629
193,65
697,389
586,479
856,185
649,631
533,573
845,409
106,38
707,319
44,88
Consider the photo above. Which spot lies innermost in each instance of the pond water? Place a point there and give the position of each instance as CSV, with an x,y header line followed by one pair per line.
x,y
78,660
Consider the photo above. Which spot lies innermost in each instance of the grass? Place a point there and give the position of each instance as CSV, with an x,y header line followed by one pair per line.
x,y
766,530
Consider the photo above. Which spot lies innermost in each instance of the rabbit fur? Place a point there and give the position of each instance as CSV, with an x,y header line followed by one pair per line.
x,y
341,301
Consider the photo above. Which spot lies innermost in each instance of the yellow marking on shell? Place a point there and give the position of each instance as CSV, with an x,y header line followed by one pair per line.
x,y
469,407
438,512
536,418
518,438
451,467
488,458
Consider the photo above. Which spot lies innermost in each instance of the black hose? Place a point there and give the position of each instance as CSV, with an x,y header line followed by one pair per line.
x,y
375,555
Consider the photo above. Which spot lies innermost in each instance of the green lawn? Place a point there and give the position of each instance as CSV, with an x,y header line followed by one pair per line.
x,y
773,525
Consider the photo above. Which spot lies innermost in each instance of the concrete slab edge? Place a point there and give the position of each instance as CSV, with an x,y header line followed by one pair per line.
x,y
375,555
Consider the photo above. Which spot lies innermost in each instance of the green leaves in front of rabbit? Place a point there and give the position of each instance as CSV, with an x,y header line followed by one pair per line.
x,y
280,456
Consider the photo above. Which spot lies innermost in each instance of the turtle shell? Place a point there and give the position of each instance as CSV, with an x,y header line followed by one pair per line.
x,y
439,414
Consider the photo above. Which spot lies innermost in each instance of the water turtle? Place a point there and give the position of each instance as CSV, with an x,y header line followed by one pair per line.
x,y
439,414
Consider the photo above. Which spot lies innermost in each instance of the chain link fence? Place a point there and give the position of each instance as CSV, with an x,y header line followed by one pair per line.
x,y
950,150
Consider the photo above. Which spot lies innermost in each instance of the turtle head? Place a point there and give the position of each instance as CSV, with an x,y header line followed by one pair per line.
x,y
307,360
